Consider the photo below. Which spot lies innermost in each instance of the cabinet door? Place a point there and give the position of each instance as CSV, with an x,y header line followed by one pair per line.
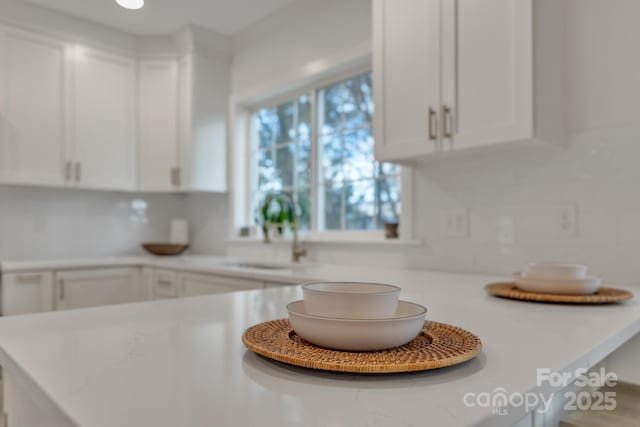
x,y
33,75
90,288
185,119
487,71
28,292
158,125
406,74
164,284
202,284
104,120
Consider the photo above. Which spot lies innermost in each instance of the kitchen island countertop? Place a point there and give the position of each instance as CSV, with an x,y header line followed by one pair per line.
x,y
182,362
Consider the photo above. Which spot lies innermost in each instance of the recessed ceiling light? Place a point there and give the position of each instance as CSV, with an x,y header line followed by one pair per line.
x,y
131,4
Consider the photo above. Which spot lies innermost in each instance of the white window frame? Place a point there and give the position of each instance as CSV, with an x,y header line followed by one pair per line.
x,y
243,106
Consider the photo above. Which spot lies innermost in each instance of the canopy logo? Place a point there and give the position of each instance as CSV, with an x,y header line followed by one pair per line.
x,y
586,393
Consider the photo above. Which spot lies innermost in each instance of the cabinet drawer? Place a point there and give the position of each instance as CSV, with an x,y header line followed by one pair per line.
x,y
28,292
204,284
164,284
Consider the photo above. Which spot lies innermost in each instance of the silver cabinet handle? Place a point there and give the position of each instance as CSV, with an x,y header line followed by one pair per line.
x,y
433,124
67,170
21,278
61,289
78,171
164,282
447,122
175,176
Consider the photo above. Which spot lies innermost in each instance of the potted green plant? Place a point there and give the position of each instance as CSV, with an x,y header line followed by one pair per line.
x,y
275,212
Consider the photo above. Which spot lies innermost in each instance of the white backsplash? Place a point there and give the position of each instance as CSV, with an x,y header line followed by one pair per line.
x,y
59,223
516,201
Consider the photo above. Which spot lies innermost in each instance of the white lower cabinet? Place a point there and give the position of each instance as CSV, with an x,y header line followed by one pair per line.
x,y
38,291
164,284
90,288
27,292
203,284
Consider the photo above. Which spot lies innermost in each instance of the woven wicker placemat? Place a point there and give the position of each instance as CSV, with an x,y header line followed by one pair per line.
x,y
438,345
603,296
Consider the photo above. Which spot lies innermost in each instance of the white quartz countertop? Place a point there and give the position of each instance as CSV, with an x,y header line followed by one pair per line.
x,y
224,266
182,362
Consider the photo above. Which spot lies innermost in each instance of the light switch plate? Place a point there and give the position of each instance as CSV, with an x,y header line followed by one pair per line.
x,y
566,220
454,223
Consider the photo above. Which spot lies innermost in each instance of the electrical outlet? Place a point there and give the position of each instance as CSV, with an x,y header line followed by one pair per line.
x,y
454,223
566,220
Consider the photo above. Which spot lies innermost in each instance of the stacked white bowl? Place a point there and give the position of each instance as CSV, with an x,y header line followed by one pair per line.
x,y
355,316
557,278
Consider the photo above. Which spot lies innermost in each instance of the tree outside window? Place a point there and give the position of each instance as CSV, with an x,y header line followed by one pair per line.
x,y
352,190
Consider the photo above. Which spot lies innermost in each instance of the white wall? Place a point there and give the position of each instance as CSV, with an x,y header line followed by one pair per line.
x,y
512,196
208,225
297,37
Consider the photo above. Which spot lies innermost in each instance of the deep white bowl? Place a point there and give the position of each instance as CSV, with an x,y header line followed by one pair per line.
x,y
555,271
358,334
586,286
351,300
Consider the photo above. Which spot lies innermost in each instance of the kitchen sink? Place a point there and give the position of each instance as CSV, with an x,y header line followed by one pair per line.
x,y
257,266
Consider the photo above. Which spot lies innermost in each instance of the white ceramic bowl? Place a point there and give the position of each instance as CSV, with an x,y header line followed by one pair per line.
x,y
555,271
358,334
351,300
586,286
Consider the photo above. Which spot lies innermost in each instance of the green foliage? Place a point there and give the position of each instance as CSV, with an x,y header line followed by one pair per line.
x,y
277,208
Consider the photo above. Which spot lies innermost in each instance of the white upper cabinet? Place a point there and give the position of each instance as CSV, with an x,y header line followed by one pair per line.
x,y
204,103
183,111
406,72
483,87
78,116
104,120
158,165
487,72
33,80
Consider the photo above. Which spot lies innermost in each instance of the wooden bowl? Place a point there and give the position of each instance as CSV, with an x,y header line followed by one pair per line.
x,y
164,249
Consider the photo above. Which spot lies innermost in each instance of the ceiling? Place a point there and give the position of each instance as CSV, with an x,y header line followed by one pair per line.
x,y
166,16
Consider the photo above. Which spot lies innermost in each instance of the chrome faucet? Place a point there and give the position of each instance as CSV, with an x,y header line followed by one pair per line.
x,y
297,250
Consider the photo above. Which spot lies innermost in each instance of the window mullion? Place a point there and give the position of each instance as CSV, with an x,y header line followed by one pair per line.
x,y
315,147
296,147
343,194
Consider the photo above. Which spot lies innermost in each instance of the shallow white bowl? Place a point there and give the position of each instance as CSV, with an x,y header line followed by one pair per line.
x,y
586,286
358,334
555,271
351,300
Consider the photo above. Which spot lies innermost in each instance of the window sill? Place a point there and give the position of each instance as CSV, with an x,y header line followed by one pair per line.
x,y
314,240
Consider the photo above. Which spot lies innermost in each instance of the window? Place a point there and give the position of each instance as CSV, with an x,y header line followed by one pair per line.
x,y
344,188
